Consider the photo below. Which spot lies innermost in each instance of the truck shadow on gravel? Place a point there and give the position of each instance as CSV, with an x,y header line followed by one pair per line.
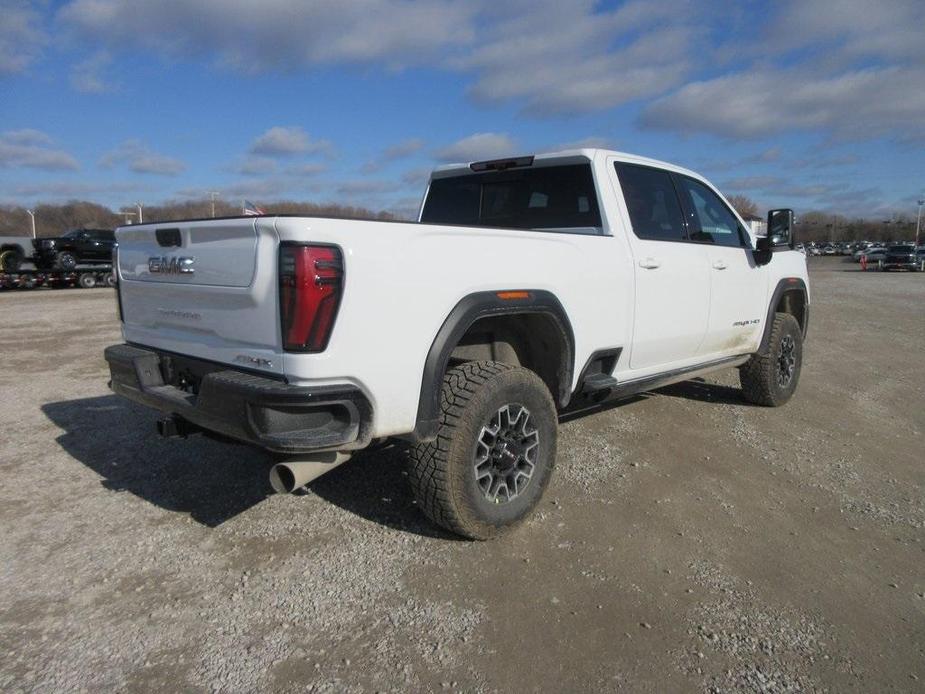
x,y
214,481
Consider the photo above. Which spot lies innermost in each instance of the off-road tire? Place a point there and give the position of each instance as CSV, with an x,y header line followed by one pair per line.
x,y
443,473
10,260
761,375
65,260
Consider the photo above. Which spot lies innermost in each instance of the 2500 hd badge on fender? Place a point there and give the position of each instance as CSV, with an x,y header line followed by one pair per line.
x,y
527,285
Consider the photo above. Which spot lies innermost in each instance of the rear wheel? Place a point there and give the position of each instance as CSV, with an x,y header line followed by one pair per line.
x,y
87,280
770,378
494,453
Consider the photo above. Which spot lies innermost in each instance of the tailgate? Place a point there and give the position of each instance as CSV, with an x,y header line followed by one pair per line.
x,y
206,289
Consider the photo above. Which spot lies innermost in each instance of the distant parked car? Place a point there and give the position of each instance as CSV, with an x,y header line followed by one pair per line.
x,y
901,257
873,254
828,250
76,247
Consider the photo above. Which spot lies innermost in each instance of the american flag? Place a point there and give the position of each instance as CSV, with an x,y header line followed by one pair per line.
x,y
251,210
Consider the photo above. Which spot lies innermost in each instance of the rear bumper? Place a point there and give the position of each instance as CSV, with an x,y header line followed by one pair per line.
x,y
268,413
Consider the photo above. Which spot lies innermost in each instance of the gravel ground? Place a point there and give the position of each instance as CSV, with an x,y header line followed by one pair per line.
x,y
688,541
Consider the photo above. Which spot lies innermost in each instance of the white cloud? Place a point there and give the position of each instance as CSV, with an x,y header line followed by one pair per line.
x,y
365,186
33,149
477,147
284,141
850,29
253,166
306,170
140,159
21,37
278,34
87,77
571,57
873,102
551,56
401,150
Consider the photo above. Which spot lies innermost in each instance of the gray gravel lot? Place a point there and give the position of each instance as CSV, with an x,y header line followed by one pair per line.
x,y
688,541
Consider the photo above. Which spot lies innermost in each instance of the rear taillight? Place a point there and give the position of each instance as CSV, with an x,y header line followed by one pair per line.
x,y
310,287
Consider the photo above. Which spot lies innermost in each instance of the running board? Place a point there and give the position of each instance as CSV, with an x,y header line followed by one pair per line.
x,y
604,388
641,385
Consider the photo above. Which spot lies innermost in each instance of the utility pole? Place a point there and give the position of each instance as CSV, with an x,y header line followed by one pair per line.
x,y
212,195
918,223
32,219
138,206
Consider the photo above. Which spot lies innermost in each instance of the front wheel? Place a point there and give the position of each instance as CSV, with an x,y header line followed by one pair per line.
x,y
494,452
770,378
10,260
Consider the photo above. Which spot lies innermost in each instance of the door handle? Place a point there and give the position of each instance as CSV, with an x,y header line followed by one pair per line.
x,y
719,264
650,263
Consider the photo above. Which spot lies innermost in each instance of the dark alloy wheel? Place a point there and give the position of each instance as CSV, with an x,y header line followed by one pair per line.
x,y
505,454
786,361
65,260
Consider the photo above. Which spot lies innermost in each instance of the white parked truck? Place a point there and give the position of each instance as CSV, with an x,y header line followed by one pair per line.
x,y
527,286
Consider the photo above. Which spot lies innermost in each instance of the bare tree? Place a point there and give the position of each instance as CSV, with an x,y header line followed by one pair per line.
x,y
53,220
744,205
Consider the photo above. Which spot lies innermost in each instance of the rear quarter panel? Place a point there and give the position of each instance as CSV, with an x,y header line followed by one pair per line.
x,y
403,280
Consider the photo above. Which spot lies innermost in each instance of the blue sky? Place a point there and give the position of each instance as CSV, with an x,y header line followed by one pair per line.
x,y
814,105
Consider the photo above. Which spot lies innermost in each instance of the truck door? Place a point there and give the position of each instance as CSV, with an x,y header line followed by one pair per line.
x,y
738,285
671,273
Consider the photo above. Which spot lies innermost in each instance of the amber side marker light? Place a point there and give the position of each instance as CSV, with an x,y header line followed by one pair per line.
x,y
508,296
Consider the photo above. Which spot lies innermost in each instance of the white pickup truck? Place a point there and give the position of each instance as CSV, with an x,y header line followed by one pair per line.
x,y
527,285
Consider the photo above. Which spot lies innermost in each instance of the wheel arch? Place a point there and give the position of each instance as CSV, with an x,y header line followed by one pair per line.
x,y
490,310
790,296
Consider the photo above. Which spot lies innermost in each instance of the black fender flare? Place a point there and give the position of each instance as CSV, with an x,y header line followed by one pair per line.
x,y
470,309
787,284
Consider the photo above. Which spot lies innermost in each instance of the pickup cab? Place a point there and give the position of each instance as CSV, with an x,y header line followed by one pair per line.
x,y
526,286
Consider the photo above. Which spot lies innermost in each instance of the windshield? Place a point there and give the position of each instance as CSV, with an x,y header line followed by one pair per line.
x,y
72,234
553,197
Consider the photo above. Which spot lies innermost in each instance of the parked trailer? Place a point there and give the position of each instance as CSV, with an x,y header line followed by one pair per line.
x,y
84,277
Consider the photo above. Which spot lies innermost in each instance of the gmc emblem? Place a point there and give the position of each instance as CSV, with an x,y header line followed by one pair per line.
x,y
162,265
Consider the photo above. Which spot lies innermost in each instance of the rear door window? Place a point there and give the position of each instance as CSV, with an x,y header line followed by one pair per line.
x,y
652,202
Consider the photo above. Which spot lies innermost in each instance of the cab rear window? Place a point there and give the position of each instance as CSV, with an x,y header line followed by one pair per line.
x,y
560,198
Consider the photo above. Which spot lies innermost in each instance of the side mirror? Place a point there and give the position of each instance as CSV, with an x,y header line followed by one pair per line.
x,y
780,228
780,234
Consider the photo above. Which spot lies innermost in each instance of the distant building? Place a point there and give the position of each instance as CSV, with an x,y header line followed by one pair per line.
x,y
757,225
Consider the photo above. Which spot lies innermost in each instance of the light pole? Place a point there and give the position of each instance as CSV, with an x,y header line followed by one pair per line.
x,y
138,207
31,214
212,195
918,223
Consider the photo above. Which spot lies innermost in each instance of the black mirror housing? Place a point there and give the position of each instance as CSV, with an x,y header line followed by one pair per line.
x,y
780,228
